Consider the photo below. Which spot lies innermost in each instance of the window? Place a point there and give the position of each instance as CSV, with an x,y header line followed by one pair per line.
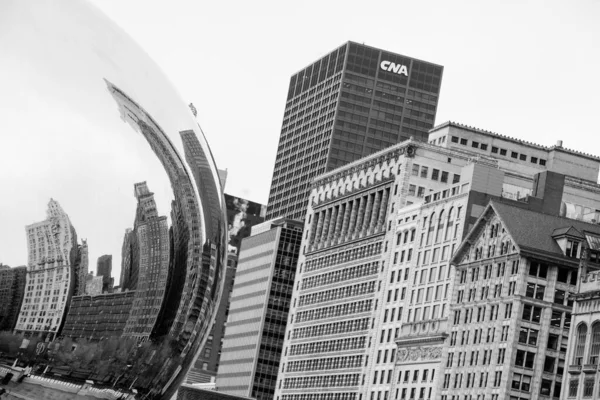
x,y
415,170
573,386
546,387
524,359
588,387
532,313
483,146
523,157
542,161
502,152
580,344
533,160
463,142
595,345
521,382
435,174
552,341
456,178
424,171
475,144
572,248
556,319
535,291
559,296
494,150
454,139
444,178
538,269
514,154
528,336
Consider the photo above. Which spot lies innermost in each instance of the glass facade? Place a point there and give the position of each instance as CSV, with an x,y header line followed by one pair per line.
x,y
351,103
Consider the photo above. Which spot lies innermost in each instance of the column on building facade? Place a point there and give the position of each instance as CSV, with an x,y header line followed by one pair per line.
x,y
375,212
383,208
349,206
332,224
367,213
313,227
326,224
319,232
339,221
360,216
353,215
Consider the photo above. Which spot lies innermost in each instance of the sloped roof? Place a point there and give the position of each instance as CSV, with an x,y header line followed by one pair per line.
x,y
530,230
534,230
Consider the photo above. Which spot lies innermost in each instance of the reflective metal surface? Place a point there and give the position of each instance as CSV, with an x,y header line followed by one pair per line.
x,y
85,115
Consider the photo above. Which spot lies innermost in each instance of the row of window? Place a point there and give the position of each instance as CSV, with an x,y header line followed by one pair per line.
x,y
335,311
344,256
352,343
320,396
320,364
471,380
498,150
337,293
345,274
473,274
333,328
436,174
321,381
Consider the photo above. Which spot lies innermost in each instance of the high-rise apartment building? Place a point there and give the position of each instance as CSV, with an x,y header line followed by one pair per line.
x,y
12,289
104,269
52,247
351,103
369,316
258,310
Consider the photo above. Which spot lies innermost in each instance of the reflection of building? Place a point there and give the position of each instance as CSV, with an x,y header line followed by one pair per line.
x,y
81,268
375,232
128,267
152,238
104,269
580,379
258,310
93,284
516,273
241,216
205,392
351,103
100,316
12,289
52,246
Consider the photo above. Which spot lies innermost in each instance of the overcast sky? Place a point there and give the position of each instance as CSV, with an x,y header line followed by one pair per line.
x,y
518,68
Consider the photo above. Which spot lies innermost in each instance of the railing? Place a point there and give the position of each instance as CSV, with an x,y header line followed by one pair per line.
x,y
574,369
590,368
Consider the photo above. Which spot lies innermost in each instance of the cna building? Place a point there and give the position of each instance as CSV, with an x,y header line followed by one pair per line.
x,y
349,104
372,312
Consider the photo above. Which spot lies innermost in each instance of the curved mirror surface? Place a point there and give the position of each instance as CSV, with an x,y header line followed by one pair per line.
x,y
110,200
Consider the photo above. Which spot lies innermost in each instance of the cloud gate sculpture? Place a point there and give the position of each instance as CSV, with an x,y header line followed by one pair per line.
x,y
111,200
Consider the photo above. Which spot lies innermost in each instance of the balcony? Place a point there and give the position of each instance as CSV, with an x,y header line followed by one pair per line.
x,y
590,368
574,369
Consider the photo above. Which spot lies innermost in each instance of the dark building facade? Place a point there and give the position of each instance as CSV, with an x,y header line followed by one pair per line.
x,y
12,289
97,317
258,310
351,103
104,269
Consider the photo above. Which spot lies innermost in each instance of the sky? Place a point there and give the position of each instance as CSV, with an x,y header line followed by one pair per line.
x,y
526,69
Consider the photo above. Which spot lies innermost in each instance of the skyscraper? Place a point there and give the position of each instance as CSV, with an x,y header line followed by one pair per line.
x,y
258,310
104,269
12,289
351,103
52,246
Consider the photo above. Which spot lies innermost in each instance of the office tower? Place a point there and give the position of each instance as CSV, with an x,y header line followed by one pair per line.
x,y
12,289
98,316
364,250
516,273
128,277
351,103
258,309
52,248
242,215
580,365
153,242
104,269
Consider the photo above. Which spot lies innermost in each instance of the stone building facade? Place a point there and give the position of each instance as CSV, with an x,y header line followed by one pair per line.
x,y
12,289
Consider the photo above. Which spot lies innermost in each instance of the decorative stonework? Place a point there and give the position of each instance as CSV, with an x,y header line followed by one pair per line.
x,y
423,353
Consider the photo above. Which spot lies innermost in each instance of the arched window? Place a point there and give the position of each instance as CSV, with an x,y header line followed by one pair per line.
x,y
440,227
595,346
430,229
449,223
580,344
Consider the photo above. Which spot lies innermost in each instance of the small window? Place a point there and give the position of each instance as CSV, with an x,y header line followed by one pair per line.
x,y
542,161
502,152
514,154
533,160
444,178
454,139
475,144
456,178
463,142
435,174
523,157
494,149
483,146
